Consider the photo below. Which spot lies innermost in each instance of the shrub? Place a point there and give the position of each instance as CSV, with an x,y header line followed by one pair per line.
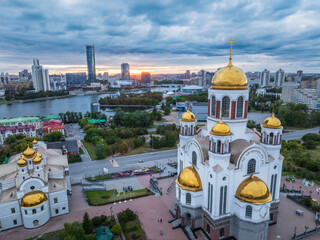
x,y
87,224
98,220
116,229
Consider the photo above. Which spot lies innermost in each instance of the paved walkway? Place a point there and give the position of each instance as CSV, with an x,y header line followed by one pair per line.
x,y
149,209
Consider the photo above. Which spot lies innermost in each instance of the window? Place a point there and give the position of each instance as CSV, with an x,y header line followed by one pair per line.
x,y
65,208
248,212
240,107
213,106
271,217
221,232
251,166
15,222
271,185
13,210
25,212
185,131
34,211
265,137
271,138
32,188
225,200
208,229
218,146
22,170
42,208
57,211
221,201
194,158
208,196
55,200
274,186
188,198
225,107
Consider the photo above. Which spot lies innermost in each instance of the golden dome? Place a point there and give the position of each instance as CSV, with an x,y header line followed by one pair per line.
x,y
37,160
22,162
32,199
253,190
220,129
34,142
188,117
229,77
272,122
189,179
29,152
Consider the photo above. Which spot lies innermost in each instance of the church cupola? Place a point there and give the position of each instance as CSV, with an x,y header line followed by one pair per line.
x,y
271,131
220,138
188,124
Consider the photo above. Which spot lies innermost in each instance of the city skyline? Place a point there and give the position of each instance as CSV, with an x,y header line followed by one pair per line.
x,y
166,37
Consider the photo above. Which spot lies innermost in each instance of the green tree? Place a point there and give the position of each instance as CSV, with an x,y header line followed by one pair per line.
x,y
116,229
74,230
87,224
8,97
100,150
170,139
167,111
53,137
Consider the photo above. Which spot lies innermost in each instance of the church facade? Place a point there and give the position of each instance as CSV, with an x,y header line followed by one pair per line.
x,y
34,187
229,175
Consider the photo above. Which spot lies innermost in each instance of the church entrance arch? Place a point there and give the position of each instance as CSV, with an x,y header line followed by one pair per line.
x,y
188,219
36,223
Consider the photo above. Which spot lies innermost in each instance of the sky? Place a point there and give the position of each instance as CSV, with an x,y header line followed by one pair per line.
x,y
167,36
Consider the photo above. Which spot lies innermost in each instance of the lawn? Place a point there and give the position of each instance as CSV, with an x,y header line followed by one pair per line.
x,y
97,198
90,148
48,236
146,149
100,177
131,225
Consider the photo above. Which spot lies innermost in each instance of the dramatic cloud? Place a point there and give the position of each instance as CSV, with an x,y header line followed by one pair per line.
x,y
160,36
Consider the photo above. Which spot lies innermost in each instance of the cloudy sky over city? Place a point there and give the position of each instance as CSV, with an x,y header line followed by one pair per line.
x,y
167,36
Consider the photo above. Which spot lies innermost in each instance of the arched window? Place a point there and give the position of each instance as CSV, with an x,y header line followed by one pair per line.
x,y
271,138
265,137
186,131
248,212
251,166
34,211
213,106
240,107
218,146
221,232
194,158
188,198
225,107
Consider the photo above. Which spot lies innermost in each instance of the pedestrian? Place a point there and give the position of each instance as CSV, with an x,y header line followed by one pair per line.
x,y
160,220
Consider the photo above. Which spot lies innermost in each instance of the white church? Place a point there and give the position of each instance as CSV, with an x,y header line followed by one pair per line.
x,y
229,175
34,187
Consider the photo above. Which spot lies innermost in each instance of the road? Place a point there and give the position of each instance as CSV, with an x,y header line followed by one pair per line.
x,y
87,169
294,134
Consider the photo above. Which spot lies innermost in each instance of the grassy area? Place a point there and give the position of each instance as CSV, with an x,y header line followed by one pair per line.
x,y
90,148
97,198
81,151
48,236
146,149
131,225
100,177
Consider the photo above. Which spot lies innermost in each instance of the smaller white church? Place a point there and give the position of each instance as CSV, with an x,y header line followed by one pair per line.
x,y
34,187
229,175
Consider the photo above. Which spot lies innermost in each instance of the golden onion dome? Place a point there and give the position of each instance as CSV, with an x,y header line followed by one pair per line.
x,y
272,122
253,190
37,160
38,154
220,129
188,117
29,152
32,199
189,179
34,142
22,162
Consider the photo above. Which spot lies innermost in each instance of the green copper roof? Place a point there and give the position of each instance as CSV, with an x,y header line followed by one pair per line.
x,y
51,117
96,120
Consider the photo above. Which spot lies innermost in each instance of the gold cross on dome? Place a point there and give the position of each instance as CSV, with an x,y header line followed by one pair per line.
x,y
231,42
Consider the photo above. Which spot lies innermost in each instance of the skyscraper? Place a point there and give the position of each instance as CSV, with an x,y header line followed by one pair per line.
x,y
76,79
279,78
125,71
299,76
145,79
40,77
91,62
187,74
265,78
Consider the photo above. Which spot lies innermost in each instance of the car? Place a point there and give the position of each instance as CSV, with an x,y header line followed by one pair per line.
x,y
141,161
130,188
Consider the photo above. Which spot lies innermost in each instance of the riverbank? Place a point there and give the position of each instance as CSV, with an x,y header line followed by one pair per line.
x,y
50,98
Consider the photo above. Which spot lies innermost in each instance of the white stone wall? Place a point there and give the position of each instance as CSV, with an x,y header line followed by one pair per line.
x,y
34,220
7,218
61,206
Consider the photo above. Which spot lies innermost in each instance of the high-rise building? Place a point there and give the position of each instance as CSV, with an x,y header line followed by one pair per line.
x,y
91,63
287,91
40,77
187,74
265,78
125,71
105,76
76,79
279,78
145,79
298,76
